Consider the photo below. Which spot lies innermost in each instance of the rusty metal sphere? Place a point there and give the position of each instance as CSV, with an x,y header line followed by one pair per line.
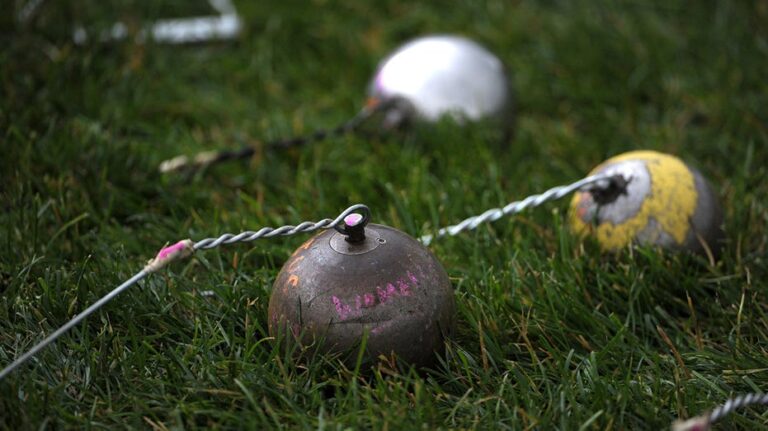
x,y
335,288
665,203
439,75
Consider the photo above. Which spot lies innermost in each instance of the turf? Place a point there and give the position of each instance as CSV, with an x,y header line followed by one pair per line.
x,y
552,334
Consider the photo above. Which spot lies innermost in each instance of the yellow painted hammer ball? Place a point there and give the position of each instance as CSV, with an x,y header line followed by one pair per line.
x,y
664,203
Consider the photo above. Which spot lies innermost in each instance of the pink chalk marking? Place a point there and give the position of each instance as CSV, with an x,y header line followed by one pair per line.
x,y
343,310
403,286
386,293
353,219
381,327
413,278
168,252
382,295
368,299
339,306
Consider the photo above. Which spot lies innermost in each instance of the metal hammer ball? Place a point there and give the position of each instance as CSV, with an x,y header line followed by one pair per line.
x,y
442,75
664,203
333,290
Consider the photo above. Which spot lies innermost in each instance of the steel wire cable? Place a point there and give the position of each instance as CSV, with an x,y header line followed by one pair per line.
x,y
600,181
180,250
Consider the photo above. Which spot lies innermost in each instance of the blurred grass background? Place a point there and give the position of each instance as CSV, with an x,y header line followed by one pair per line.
x,y
551,334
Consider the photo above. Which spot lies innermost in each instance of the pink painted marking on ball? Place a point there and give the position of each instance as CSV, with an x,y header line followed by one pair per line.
x,y
353,219
369,299
387,292
404,288
412,277
381,327
342,309
382,294
167,252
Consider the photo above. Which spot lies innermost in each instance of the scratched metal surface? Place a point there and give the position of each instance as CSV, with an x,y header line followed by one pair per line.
x,y
396,292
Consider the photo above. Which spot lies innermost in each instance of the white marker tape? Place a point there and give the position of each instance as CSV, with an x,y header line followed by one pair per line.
x,y
179,31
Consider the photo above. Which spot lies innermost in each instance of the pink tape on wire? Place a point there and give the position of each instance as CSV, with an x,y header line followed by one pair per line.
x,y
166,255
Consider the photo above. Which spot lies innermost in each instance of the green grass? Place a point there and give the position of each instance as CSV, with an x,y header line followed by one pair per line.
x,y
551,333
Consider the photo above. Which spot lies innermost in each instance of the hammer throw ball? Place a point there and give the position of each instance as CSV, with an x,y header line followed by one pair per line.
x,y
444,75
332,291
664,202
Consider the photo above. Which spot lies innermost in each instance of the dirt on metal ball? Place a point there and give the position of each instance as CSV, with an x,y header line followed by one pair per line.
x,y
664,202
372,280
439,75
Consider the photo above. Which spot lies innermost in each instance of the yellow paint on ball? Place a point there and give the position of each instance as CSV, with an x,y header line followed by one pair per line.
x,y
667,206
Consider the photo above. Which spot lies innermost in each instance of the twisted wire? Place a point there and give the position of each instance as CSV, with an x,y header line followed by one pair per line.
x,y
184,249
736,403
269,232
207,158
342,129
599,181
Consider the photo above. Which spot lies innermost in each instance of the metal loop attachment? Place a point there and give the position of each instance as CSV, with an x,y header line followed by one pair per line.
x,y
606,192
351,223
